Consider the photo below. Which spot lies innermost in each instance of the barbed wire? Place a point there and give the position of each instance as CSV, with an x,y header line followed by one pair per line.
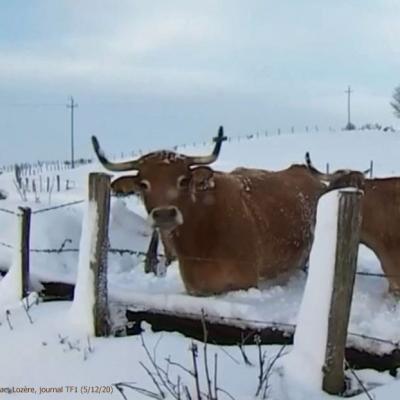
x,y
271,324
5,210
375,339
72,203
142,253
376,274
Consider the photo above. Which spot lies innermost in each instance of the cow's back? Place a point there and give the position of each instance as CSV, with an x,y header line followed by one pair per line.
x,y
283,205
381,225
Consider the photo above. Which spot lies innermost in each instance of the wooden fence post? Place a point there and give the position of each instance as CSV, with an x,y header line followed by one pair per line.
x,y
348,234
371,169
58,183
99,193
25,221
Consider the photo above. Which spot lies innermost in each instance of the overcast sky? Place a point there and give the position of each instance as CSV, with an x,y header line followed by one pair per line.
x,y
149,74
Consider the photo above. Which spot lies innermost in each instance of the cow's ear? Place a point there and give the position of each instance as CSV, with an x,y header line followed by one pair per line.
x,y
125,186
202,178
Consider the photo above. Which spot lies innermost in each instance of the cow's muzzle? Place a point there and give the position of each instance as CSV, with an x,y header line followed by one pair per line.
x,y
166,218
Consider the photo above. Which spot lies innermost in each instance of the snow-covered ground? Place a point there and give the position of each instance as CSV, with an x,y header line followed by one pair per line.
x,y
49,360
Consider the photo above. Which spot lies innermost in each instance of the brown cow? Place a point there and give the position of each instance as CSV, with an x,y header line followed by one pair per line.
x,y
380,229
228,230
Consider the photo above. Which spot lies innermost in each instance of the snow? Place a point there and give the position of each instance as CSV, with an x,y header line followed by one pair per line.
x,y
45,361
305,362
48,354
81,312
11,285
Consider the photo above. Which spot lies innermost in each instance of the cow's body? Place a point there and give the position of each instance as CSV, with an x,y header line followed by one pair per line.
x,y
254,225
380,229
228,230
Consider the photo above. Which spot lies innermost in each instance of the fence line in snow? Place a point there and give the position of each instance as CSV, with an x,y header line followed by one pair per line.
x,y
5,210
72,203
37,168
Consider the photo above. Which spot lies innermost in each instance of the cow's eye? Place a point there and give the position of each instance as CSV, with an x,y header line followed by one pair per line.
x,y
144,185
183,182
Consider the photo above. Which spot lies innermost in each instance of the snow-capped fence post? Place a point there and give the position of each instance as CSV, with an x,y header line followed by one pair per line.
x,y
25,222
348,233
99,194
90,305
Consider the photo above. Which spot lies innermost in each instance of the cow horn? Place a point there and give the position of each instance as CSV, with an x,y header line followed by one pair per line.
x,y
312,169
203,160
366,171
116,167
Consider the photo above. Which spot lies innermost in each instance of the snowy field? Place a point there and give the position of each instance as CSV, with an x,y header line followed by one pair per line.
x,y
50,353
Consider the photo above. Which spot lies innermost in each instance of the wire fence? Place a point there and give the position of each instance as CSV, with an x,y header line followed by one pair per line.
x,y
119,251
28,169
133,252
63,248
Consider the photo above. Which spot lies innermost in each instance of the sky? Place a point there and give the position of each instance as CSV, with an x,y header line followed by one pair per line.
x,y
152,74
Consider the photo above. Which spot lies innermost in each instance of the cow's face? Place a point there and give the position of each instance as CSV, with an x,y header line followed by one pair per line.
x,y
167,182
166,189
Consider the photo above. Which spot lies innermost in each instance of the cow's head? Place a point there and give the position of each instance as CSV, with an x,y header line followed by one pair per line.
x,y
165,180
340,178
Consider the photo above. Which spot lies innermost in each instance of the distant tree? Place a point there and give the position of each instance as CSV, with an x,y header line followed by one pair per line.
x,y
396,101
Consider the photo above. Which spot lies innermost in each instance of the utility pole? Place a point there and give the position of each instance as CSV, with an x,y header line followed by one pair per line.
x,y
72,105
349,124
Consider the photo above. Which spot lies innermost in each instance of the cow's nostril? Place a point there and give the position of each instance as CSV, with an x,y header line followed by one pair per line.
x,y
156,213
172,212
